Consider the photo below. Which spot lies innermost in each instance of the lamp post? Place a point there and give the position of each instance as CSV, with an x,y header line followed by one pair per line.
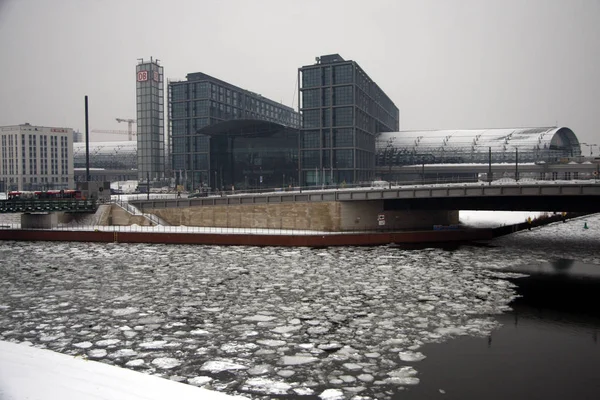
x,y
516,164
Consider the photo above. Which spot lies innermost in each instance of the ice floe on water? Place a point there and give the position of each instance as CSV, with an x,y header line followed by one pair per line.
x,y
339,323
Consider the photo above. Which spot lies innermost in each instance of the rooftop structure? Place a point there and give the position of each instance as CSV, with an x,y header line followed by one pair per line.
x,y
473,146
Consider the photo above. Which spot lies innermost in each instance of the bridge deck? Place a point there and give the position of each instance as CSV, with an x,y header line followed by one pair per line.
x,y
28,206
413,194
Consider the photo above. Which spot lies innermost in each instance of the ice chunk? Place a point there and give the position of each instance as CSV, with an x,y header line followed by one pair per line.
x,y
121,312
411,356
198,332
332,394
135,363
107,342
259,318
124,353
221,365
265,386
352,366
286,329
157,344
97,353
403,376
272,342
260,369
297,360
365,377
83,345
166,362
302,391
199,380
286,373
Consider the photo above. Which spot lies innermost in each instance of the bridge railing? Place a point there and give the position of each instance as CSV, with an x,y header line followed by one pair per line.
x,y
36,205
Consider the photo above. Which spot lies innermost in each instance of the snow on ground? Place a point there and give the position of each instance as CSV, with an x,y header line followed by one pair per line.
x,y
37,374
493,219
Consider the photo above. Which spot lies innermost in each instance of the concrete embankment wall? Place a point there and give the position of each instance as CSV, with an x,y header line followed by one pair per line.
x,y
121,217
322,216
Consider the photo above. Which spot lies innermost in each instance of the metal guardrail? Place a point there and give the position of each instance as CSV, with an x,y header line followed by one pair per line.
x,y
414,192
28,206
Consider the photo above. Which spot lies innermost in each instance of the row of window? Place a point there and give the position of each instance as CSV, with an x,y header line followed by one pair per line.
x,y
342,159
340,95
342,137
316,118
226,96
326,75
198,144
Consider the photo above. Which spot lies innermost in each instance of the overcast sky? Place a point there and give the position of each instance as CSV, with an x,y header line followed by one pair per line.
x,y
447,64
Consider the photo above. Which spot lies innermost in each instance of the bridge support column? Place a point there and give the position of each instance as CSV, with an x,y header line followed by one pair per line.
x,y
39,220
358,215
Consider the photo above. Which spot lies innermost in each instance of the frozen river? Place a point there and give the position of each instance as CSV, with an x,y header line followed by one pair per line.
x,y
335,323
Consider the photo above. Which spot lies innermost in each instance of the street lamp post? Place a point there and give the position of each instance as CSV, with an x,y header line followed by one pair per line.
x,y
516,164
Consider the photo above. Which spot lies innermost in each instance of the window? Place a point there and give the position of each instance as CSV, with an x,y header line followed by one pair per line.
x,y
311,77
201,144
343,158
201,107
178,161
201,161
311,118
310,98
342,95
180,110
342,116
310,159
310,139
327,96
179,144
326,120
179,127
342,74
179,92
343,137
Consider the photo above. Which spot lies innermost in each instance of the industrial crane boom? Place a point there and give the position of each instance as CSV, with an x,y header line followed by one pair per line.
x,y
130,123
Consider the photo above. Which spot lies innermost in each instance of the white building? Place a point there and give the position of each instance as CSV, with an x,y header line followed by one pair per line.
x,y
36,158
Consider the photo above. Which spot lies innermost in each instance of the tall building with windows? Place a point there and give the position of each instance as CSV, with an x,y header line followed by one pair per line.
x,y
35,158
150,120
203,144
343,110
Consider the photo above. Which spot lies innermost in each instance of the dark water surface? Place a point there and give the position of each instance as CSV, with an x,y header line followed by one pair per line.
x,y
547,347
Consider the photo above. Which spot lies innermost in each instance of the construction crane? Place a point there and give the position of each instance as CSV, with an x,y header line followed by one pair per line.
x,y
130,123
129,133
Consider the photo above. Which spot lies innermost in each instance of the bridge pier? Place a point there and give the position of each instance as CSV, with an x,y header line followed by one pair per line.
x,y
39,220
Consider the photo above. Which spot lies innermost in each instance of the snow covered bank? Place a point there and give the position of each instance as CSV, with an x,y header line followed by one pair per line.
x,y
37,374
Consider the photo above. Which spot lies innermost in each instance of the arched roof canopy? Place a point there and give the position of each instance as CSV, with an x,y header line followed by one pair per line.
x,y
471,145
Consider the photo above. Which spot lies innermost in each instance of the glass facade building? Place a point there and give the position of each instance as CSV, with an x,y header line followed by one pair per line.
x,y
150,120
199,138
342,111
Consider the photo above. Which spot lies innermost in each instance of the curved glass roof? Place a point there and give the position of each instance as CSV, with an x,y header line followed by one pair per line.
x,y
109,155
406,147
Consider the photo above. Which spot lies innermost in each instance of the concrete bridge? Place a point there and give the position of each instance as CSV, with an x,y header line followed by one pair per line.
x,y
413,207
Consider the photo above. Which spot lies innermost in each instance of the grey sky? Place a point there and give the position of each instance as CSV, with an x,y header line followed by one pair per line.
x,y
446,64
